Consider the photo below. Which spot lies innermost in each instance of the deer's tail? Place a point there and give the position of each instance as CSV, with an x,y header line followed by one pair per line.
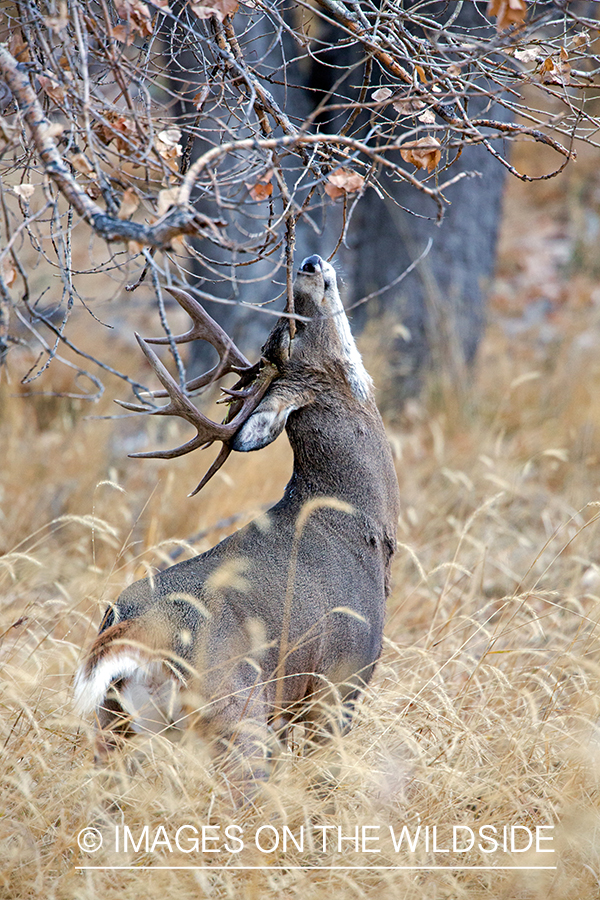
x,y
127,674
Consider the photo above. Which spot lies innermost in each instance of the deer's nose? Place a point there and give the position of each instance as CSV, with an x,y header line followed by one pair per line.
x,y
311,263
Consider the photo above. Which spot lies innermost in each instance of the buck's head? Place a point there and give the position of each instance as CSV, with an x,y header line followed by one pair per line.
x,y
321,357
320,364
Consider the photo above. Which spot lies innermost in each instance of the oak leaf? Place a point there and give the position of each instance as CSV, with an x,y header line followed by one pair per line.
x,y
581,39
260,190
527,54
423,154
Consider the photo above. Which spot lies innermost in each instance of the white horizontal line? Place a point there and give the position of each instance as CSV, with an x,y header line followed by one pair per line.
x,y
330,868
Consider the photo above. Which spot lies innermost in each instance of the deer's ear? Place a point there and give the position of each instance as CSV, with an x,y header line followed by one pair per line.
x,y
264,425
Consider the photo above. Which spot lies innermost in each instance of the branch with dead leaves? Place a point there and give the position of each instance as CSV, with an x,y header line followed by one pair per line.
x,y
158,122
179,220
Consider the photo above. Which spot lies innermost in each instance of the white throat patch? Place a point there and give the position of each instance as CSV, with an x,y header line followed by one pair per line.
x,y
358,377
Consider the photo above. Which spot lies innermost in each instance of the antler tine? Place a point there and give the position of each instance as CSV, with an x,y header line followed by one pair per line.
x,y
224,453
179,405
246,395
204,327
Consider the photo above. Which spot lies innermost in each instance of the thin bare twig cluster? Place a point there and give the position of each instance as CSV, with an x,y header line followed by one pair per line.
x,y
196,134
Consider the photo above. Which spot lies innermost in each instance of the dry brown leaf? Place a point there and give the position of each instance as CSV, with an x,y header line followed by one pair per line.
x,y
204,9
408,106
380,94
129,204
24,191
57,23
261,190
428,117
507,12
8,272
166,199
117,127
421,73
199,99
123,33
138,19
527,54
454,71
18,47
581,39
168,147
423,154
556,69
52,88
82,165
343,181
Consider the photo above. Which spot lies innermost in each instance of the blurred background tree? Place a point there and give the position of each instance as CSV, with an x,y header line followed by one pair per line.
x,y
209,143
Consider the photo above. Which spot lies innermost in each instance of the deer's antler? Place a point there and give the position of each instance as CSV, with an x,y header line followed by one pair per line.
x,y
243,398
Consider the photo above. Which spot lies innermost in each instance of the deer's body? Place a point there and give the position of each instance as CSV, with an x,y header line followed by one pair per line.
x,y
274,621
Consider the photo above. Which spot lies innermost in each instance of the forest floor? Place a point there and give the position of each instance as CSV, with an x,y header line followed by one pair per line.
x,y
485,706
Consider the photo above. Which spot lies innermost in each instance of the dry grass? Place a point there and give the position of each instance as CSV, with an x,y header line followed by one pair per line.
x,y
486,703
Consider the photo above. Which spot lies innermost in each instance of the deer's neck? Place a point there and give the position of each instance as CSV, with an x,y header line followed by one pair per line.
x,y
342,451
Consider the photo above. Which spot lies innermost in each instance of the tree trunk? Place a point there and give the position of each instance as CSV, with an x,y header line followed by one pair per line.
x,y
435,316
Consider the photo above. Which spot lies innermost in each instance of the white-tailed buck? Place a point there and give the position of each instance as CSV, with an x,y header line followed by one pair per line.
x,y
282,621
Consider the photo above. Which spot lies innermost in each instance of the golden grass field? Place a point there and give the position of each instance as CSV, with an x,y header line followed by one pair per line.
x,y
485,707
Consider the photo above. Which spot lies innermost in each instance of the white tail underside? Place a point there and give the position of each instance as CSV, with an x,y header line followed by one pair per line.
x,y
148,693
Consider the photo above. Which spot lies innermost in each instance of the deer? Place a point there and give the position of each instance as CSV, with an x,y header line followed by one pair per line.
x,y
281,623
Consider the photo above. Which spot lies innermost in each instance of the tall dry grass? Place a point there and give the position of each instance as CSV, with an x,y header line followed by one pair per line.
x,y
485,706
